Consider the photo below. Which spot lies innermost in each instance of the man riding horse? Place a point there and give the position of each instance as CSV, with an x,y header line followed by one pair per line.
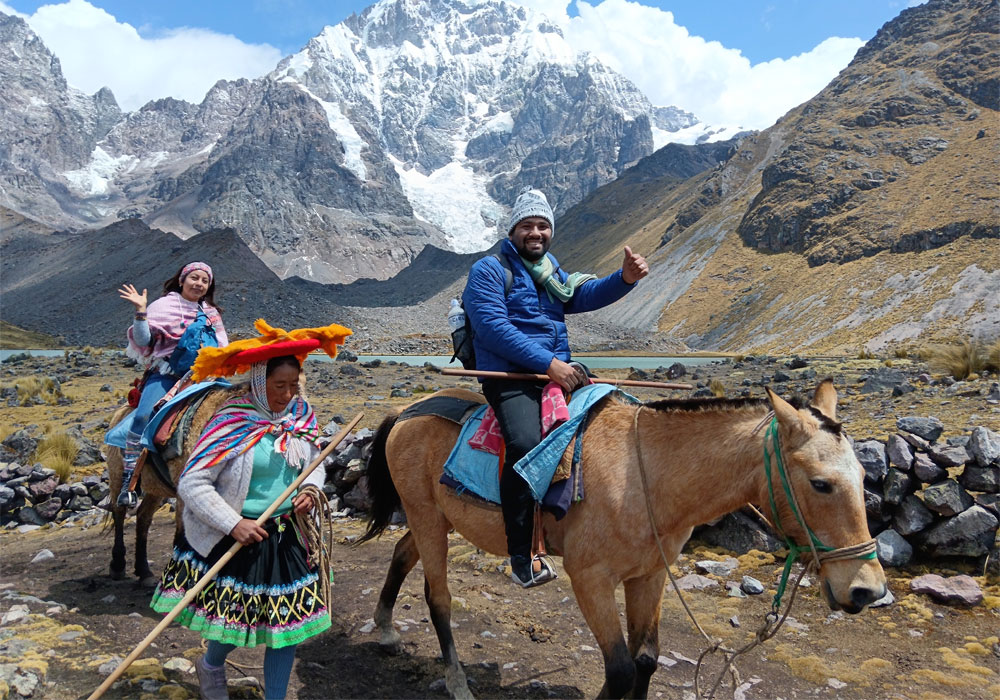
x,y
523,330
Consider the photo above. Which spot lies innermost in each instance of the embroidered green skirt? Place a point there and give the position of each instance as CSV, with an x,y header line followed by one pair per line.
x,y
266,594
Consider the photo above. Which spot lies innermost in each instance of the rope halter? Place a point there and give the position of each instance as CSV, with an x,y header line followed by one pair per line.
x,y
820,552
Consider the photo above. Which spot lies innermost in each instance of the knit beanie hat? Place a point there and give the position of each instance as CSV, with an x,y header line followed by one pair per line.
x,y
530,202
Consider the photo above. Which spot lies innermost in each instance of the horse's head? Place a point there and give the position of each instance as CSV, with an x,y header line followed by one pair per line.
x,y
827,481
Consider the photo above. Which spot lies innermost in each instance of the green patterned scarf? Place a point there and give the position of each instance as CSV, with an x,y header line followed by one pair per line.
x,y
541,272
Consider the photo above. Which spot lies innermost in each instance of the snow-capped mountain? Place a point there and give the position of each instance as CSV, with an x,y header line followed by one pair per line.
x,y
415,122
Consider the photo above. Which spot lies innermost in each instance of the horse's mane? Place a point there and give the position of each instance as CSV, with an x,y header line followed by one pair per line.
x,y
707,404
715,404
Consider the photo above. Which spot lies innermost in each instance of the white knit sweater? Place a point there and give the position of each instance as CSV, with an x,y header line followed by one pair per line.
x,y
213,498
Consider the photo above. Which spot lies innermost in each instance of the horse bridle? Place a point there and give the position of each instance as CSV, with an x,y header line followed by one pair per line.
x,y
821,552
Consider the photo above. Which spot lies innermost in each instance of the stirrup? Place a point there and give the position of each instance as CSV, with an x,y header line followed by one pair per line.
x,y
534,578
128,499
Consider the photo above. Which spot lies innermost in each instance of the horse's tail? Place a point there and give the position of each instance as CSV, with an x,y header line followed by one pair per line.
x,y
385,498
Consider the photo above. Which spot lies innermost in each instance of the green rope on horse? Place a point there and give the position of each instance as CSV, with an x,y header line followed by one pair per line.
x,y
794,550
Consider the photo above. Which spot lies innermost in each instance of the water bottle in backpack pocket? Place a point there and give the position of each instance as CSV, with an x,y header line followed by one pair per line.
x,y
461,336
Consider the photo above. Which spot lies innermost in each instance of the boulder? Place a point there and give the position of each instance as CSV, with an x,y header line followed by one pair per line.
x,y
985,479
897,486
892,548
88,451
29,516
989,501
358,497
676,370
929,429
737,532
984,446
947,498
48,510
912,516
881,379
971,533
948,456
23,446
899,452
41,490
871,454
925,469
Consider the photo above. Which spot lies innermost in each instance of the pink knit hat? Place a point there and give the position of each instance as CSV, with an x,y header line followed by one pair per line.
x,y
191,267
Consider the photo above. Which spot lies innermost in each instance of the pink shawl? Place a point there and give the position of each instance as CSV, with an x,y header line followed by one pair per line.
x,y
168,317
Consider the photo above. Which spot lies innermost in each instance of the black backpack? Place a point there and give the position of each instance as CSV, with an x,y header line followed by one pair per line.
x,y
461,338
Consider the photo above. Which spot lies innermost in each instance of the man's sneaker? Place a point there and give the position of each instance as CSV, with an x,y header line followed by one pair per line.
x,y
211,681
523,572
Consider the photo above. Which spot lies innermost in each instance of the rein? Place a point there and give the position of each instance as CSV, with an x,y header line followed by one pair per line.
x,y
772,620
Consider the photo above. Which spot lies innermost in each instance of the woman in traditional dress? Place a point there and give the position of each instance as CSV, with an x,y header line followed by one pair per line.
x,y
270,593
165,339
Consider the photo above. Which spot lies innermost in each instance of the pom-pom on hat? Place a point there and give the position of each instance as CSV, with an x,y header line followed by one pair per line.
x,y
530,202
237,357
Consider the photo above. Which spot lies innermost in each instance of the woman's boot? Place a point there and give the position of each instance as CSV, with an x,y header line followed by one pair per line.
x,y
130,456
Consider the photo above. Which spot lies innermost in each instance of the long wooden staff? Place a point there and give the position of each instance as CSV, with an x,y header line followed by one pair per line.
x,y
210,574
545,378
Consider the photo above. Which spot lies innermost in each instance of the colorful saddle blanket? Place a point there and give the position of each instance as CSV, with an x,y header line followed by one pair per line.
x,y
476,471
164,435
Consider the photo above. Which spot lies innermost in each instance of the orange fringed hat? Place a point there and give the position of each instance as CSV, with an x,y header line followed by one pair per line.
x,y
237,357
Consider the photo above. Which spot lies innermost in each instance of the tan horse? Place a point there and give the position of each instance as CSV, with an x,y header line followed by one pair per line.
x,y
701,459
154,491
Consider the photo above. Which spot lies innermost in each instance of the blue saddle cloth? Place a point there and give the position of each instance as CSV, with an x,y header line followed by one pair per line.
x,y
476,471
116,436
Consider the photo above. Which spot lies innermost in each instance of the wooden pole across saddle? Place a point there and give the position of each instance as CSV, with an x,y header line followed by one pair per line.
x,y
211,573
486,374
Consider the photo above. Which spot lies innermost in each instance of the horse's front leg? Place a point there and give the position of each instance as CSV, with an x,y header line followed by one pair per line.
x,y
143,519
404,558
643,597
595,594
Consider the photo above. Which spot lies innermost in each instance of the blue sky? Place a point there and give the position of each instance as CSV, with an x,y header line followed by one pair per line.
x,y
761,30
717,58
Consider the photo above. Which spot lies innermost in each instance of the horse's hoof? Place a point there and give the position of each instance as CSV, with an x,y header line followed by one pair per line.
x,y
457,685
391,643
117,575
149,581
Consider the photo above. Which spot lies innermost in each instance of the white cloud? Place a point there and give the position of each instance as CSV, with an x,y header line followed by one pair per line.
x,y
96,50
673,67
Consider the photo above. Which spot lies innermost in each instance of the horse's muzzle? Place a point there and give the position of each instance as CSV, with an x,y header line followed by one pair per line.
x,y
860,598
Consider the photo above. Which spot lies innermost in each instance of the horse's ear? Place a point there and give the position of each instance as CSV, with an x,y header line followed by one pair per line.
x,y
825,399
785,412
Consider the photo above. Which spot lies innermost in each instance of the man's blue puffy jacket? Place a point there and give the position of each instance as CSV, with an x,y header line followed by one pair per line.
x,y
524,330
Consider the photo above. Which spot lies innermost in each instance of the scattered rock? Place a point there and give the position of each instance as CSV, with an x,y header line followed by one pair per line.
x,y
959,590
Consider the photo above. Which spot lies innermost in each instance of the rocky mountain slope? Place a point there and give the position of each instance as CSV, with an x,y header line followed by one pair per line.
x,y
411,124
867,217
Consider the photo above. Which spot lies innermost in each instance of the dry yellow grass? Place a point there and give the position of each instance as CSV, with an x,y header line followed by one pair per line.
x,y
964,358
57,451
30,388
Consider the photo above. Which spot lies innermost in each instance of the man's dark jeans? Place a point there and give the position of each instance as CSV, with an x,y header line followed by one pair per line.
x,y
518,408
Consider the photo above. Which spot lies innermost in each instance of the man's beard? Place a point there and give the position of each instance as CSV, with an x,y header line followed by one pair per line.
x,y
531,256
